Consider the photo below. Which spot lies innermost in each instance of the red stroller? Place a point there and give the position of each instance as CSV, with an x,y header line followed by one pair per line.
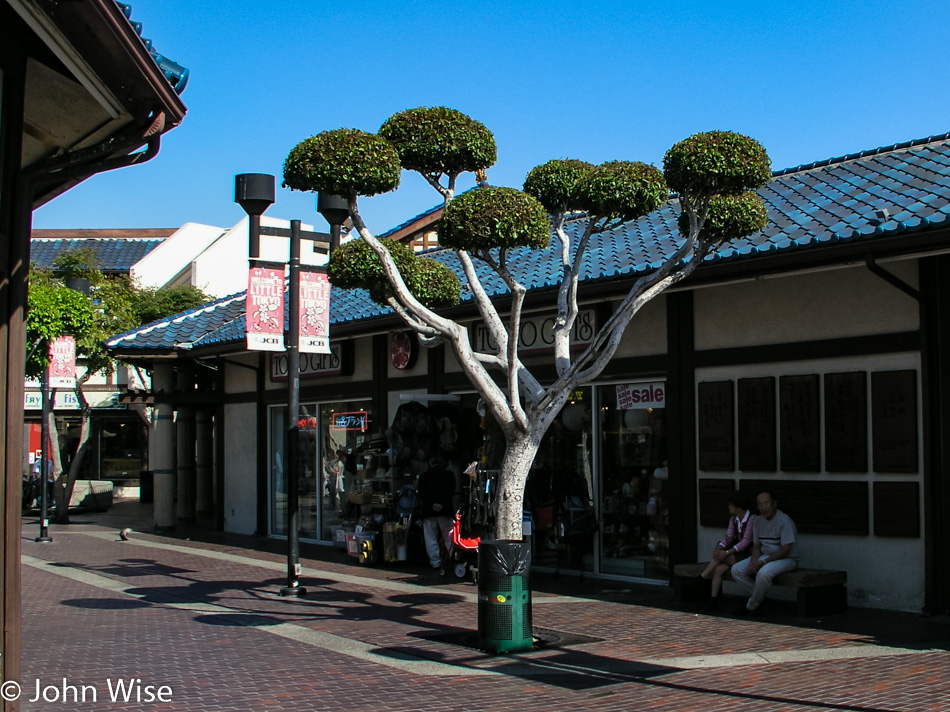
x,y
463,556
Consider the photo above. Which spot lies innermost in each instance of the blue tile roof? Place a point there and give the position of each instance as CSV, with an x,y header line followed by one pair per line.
x,y
814,206
113,254
176,74
208,324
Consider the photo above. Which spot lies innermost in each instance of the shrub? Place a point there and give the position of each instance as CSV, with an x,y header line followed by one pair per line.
x,y
623,190
717,162
730,217
494,217
439,140
343,162
555,183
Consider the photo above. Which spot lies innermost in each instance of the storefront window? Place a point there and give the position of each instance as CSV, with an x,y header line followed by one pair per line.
x,y
331,437
277,427
120,444
635,516
560,490
347,477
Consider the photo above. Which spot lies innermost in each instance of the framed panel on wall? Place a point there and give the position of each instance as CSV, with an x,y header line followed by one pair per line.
x,y
799,422
846,422
714,501
757,424
897,509
894,430
716,426
819,506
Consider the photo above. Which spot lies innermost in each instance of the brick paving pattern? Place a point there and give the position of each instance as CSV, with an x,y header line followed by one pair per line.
x,y
161,610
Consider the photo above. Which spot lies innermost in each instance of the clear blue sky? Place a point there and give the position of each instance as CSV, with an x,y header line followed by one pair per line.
x,y
591,80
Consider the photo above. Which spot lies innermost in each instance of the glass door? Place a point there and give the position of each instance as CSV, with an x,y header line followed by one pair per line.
x,y
635,516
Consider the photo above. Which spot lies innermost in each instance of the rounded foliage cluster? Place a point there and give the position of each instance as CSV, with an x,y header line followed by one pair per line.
x,y
730,217
439,140
54,310
494,217
717,162
343,162
623,190
555,183
433,284
355,265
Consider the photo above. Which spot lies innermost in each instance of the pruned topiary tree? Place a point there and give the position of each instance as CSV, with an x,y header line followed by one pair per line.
x,y
713,173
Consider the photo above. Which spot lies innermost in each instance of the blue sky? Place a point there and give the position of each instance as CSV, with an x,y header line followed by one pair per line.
x,y
596,81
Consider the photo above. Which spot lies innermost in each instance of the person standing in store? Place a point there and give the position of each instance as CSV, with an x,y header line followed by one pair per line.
x,y
437,490
333,469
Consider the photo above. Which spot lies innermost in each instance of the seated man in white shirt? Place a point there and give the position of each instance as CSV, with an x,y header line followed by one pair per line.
x,y
774,551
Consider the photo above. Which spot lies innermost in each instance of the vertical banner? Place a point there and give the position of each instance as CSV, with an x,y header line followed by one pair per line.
x,y
314,312
264,310
62,363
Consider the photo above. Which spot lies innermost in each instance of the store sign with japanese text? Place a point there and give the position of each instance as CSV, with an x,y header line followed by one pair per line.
x,y
350,421
536,334
62,400
307,422
634,396
62,363
265,309
311,365
314,312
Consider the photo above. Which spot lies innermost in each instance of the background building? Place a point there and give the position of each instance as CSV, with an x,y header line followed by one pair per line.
x,y
808,358
80,93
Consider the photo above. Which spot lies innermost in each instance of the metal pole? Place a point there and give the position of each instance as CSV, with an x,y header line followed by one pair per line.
x,y
334,237
44,457
293,587
254,237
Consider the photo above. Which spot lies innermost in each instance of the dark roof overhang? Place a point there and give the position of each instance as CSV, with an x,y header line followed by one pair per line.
x,y
93,97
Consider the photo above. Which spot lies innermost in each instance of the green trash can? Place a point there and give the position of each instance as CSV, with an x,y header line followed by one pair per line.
x,y
504,596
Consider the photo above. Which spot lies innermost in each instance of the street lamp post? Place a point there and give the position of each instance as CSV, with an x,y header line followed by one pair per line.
x,y
46,409
255,193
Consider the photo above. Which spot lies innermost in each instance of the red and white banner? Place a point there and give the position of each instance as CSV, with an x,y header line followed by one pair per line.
x,y
314,313
264,309
62,363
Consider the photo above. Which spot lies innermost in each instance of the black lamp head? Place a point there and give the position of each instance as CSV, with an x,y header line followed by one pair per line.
x,y
334,208
254,192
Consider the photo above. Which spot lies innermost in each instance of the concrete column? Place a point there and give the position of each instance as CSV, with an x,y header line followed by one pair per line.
x,y
161,448
185,431
204,464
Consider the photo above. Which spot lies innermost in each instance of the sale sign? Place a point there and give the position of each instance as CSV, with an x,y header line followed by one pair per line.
x,y
264,309
633,396
62,362
314,313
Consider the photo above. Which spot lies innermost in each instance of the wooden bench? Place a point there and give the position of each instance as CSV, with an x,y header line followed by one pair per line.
x,y
818,592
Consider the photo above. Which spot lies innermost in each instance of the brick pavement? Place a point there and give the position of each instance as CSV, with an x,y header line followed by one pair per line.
x,y
203,619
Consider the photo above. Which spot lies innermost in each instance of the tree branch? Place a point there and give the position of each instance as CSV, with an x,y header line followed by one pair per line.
x,y
433,180
567,294
605,343
454,333
486,309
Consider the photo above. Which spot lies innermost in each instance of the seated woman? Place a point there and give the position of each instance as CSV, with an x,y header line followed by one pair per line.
x,y
734,547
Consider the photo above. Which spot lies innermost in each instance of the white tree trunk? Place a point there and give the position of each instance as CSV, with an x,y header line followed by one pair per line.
x,y
520,451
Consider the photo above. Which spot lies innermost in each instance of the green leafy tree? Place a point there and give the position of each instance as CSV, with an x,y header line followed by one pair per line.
x,y
114,304
713,174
